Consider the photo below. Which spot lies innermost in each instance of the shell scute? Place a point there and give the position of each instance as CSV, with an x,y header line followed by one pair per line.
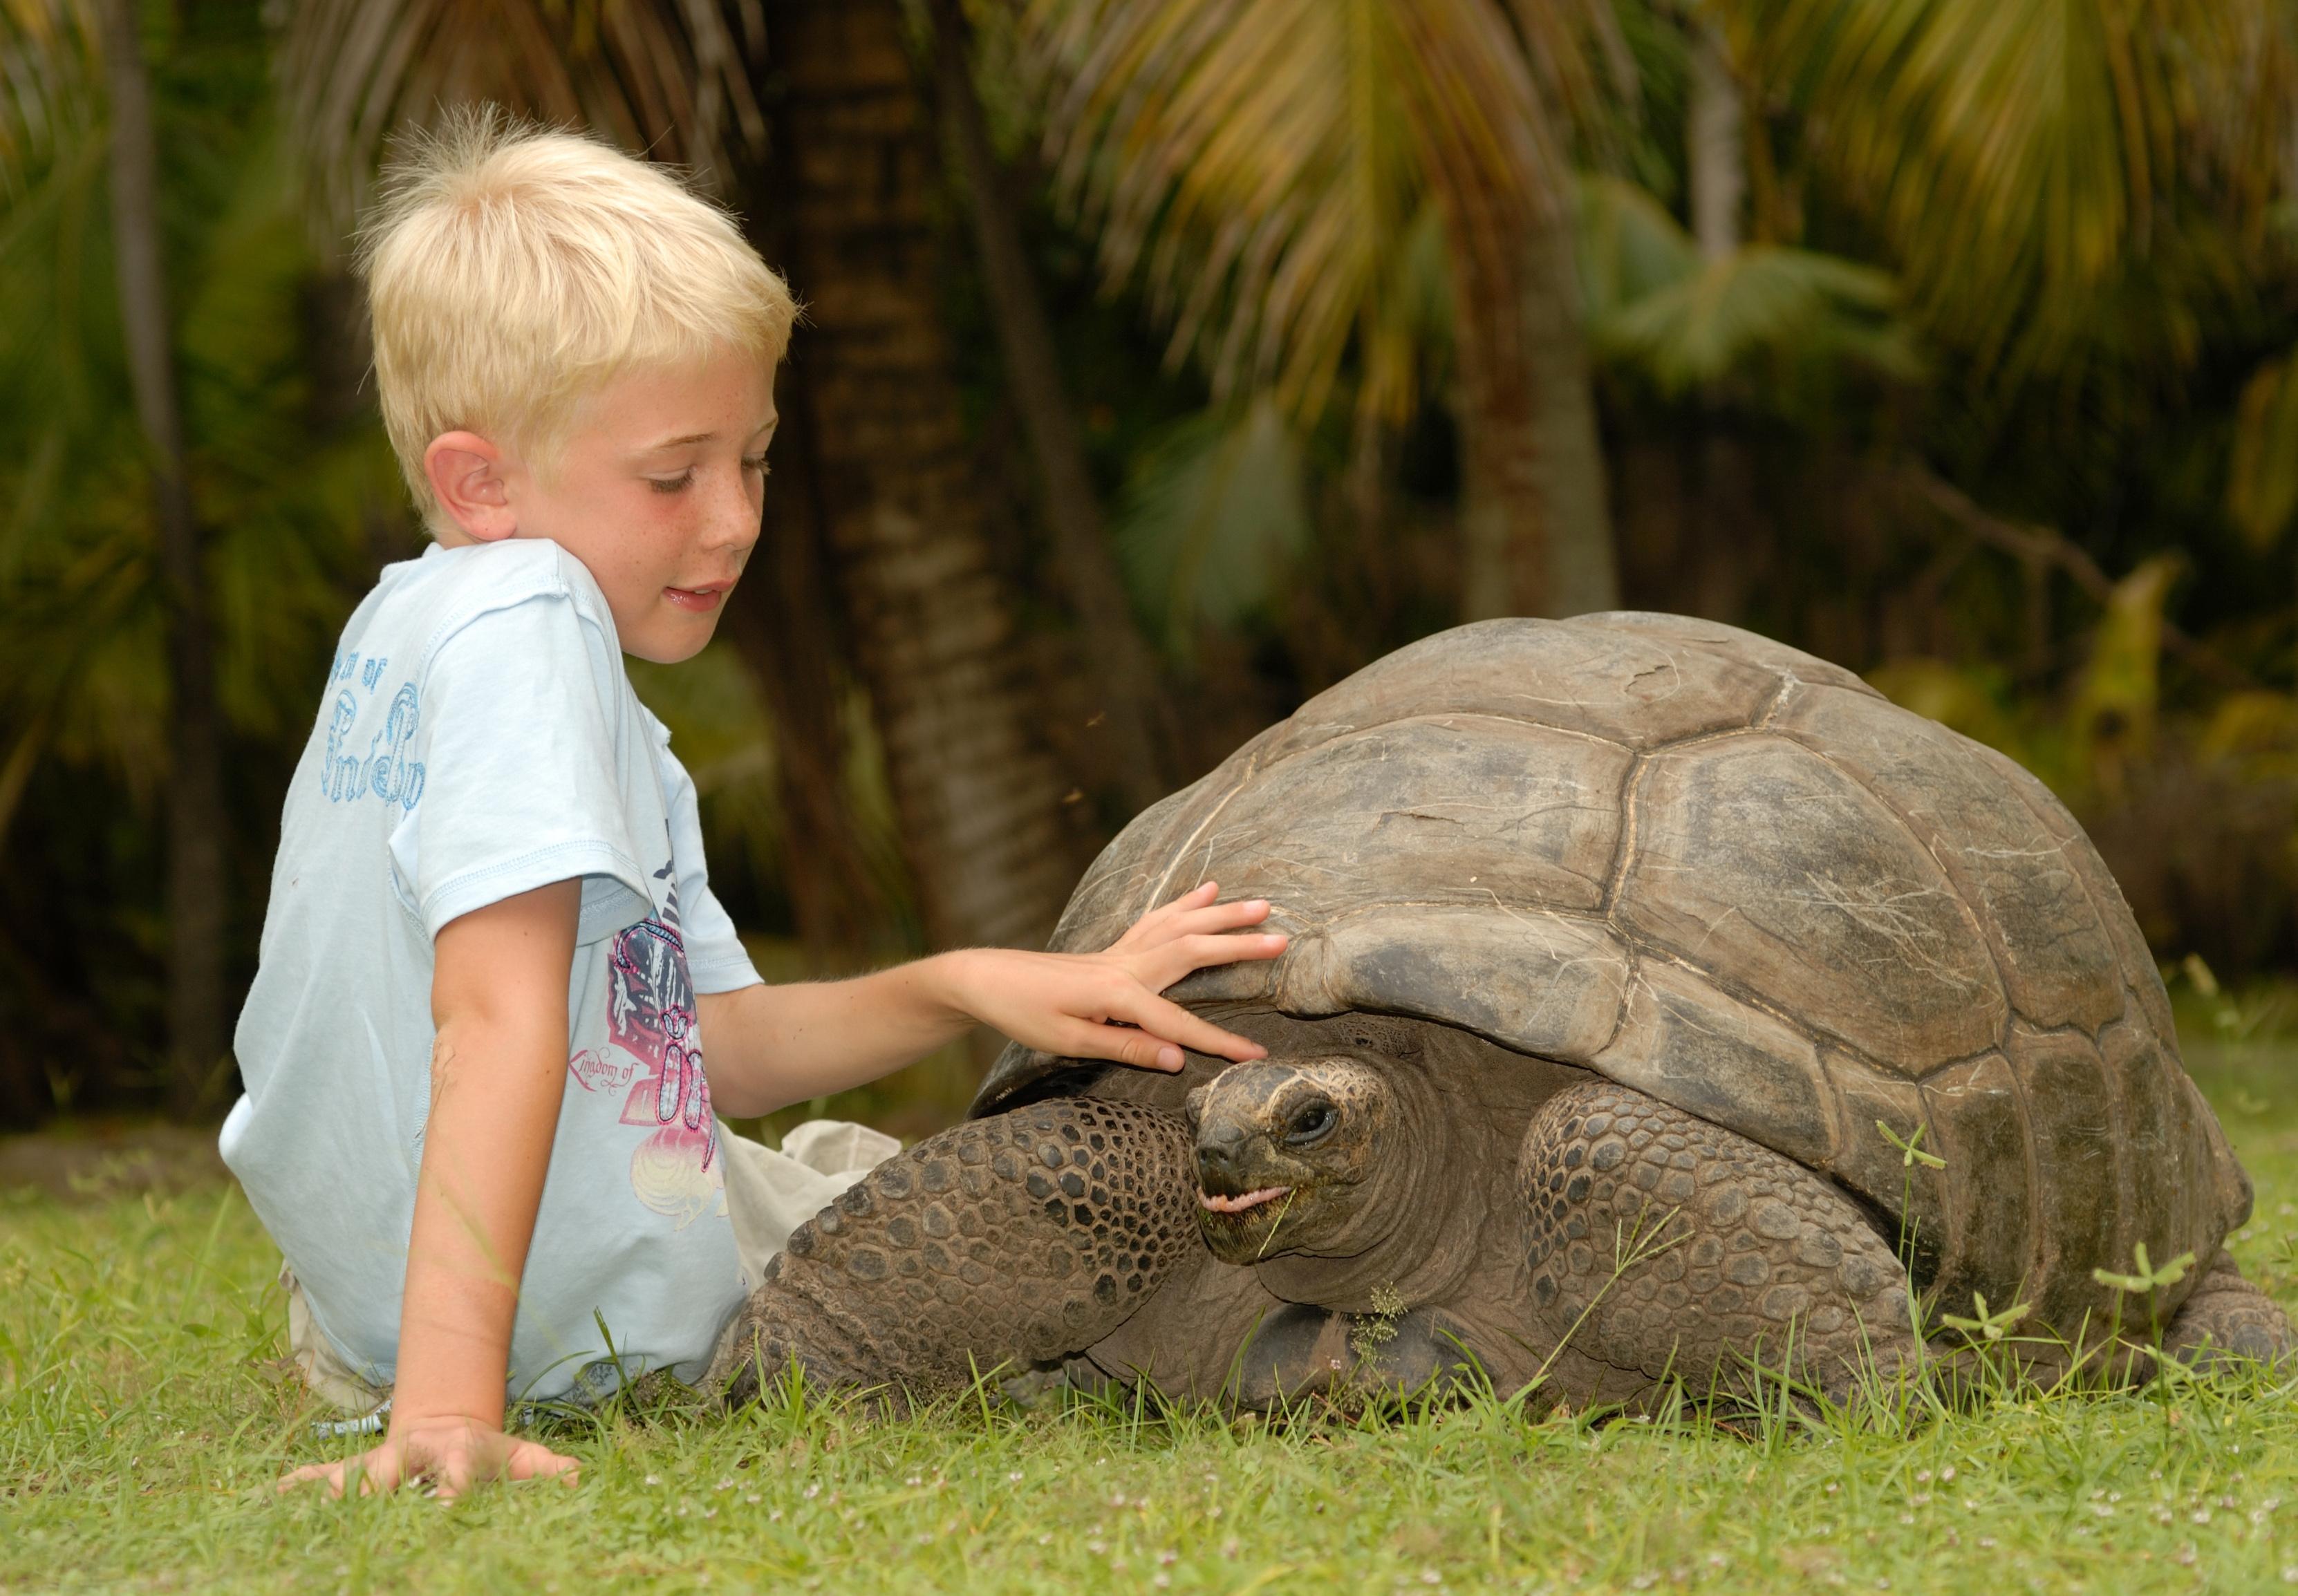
x,y
1735,642
2050,940
1974,1111
2078,1159
1638,691
1867,1162
1541,983
1463,809
1758,861
1684,1042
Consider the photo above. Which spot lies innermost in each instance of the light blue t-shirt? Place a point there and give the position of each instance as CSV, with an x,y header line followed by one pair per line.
x,y
478,738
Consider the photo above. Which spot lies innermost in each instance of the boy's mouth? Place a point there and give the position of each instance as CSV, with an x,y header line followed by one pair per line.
x,y
700,600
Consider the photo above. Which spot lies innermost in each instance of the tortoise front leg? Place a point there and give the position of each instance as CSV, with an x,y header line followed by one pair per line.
x,y
1028,1236
1671,1247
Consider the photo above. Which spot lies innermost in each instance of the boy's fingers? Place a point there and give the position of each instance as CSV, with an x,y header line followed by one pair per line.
x,y
1163,1018
1178,959
1222,917
530,1460
1137,1048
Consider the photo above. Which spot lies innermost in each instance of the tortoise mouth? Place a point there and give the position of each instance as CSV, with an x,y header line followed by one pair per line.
x,y
1241,1201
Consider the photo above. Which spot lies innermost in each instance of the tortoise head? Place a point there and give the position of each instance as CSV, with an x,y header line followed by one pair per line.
x,y
1291,1156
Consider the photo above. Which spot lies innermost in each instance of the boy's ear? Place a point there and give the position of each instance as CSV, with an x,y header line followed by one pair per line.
x,y
466,473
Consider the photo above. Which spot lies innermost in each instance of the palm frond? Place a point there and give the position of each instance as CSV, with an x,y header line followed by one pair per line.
x,y
50,65
1261,163
2020,154
1212,515
1761,299
2262,483
664,77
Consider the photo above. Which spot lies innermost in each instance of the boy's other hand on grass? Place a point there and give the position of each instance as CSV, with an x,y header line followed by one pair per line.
x,y
452,1454
1107,1004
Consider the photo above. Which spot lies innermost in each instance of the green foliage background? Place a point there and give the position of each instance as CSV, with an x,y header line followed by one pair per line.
x,y
2016,435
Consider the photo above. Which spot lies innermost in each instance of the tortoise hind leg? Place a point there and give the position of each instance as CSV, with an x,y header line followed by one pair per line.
x,y
1665,1246
1026,1236
2228,1315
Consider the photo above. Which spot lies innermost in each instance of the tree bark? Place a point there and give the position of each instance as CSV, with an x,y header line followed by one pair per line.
x,y
931,624
1123,670
197,818
1714,140
1536,528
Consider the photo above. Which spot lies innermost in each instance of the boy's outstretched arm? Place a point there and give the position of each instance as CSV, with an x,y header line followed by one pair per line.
x,y
769,1047
498,1073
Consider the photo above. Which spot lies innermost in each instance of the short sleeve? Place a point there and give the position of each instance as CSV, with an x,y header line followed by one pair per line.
x,y
716,958
515,763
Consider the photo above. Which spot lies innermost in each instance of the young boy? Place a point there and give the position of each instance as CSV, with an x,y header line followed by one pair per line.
x,y
476,1120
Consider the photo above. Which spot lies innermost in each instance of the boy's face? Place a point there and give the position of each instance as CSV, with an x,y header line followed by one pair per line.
x,y
658,490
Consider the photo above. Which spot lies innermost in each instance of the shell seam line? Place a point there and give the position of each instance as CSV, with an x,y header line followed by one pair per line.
x,y
1624,851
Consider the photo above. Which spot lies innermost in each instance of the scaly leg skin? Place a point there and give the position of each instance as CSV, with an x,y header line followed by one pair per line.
x,y
1684,1250
1021,1238
2227,1316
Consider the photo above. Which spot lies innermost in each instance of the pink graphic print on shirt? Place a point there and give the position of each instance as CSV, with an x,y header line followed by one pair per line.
x,y
650,1024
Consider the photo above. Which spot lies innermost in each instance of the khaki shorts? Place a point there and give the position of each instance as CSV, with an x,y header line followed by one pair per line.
x,y
768,1196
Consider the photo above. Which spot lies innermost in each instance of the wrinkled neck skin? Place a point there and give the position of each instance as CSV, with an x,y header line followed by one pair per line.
x,y
1407,1230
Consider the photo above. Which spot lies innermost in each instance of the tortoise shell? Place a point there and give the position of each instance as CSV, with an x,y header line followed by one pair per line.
x,y
1731,875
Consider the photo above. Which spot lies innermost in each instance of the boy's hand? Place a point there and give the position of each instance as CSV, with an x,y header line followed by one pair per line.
x,y
453,1454
1106,1004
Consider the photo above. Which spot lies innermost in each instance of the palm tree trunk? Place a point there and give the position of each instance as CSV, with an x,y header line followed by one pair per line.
x,y
930,624
1117,655
1715,142
1537,531
196,814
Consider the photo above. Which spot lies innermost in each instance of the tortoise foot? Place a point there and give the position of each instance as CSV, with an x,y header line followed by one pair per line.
x,y
1665,1245
2229,1318
1020,1238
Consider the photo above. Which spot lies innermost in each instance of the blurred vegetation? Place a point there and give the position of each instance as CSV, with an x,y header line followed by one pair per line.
x,y
1954,340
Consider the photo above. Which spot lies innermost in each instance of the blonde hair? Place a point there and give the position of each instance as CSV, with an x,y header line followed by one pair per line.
x,y
512,268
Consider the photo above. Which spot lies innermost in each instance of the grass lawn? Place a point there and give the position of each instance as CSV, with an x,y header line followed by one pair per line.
x,y
143,1417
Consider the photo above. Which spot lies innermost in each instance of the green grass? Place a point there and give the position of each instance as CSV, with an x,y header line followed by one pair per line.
x,y
143,1417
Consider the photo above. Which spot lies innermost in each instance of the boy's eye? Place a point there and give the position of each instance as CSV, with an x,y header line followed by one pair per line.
x,y
754,462
672,484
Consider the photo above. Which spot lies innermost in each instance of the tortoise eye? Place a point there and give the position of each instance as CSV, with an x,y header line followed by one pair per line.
x,y
1313,1122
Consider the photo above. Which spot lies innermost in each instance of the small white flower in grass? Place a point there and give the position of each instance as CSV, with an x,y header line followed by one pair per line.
x,y
654,1479
2187,1556
2202,1515
1832,1487
1906,1518
2290,1575
916,1479
1987,1543
1168,1558
725,1485
1922,1476
1046,1540
1947,1473
774,1518
1015,1476
1096,1547
710,1512
1163,1581
1429,1577
1117,1499
752,1497
814,1490
1231,1548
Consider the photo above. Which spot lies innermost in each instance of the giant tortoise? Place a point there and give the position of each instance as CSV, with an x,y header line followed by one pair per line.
x,y
1661,1000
